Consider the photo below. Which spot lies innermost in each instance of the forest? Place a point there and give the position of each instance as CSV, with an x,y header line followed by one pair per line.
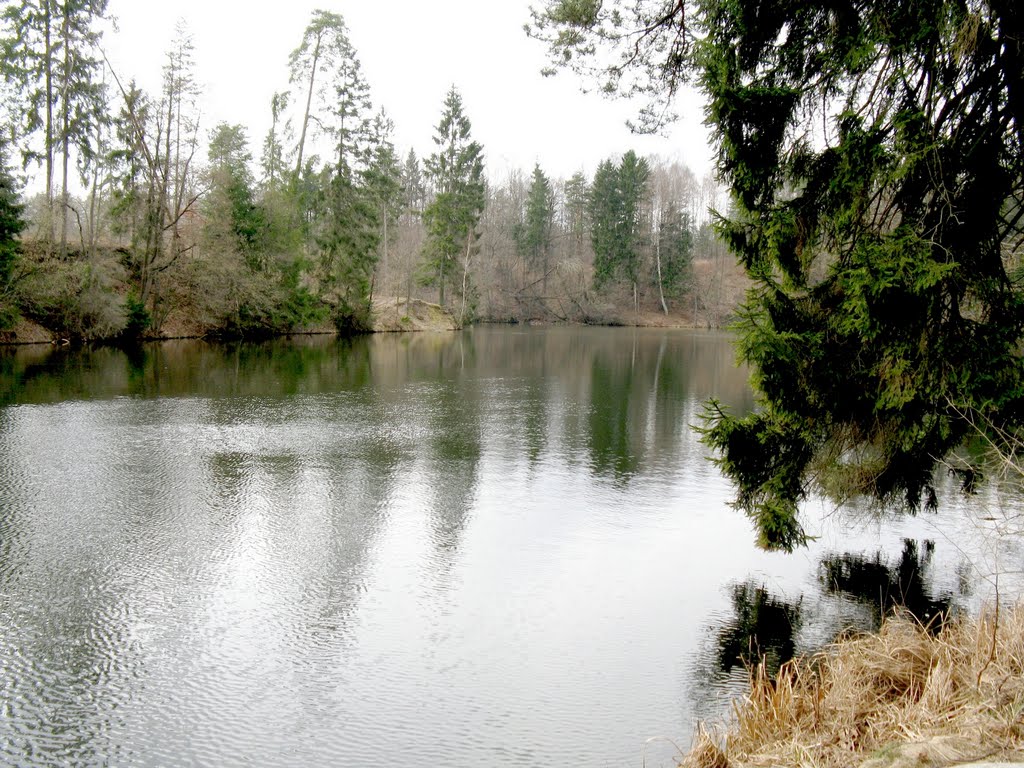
x,y
149,223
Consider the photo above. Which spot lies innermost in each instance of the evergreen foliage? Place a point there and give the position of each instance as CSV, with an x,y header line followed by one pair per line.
x,y
383,178
675,250
533,237
603,208
873,150
11,226
456,170
231,198
349,246
616,209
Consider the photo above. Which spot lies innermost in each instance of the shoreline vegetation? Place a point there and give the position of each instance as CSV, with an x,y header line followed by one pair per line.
x,y
389,314
908,695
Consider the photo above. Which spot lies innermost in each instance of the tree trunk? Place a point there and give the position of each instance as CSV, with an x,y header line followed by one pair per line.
x,y
94,191
384,261
65,131
309,104
544,266
408,294
465,280
48,15
661,287
440,282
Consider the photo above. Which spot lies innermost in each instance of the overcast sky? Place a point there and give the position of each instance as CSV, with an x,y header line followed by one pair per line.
x,y
411,52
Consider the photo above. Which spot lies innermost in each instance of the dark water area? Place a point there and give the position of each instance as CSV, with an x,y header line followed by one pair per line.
x,y
500,547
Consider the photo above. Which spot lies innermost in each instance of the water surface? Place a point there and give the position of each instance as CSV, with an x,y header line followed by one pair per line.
x,y
501,547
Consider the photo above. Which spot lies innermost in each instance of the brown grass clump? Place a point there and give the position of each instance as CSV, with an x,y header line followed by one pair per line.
x,y
902,697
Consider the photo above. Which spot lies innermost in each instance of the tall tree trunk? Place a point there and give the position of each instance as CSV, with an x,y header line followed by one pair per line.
x,y
384,269
465,280
48,16
440,281
408,293
544,276
661,286
94,191
309,104
65,131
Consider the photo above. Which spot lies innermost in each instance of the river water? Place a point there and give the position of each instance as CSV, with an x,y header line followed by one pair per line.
x,y
501,547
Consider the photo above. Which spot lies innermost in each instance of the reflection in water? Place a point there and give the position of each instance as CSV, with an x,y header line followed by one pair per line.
x,y
883,587
494,547
612,448
761,624
764,628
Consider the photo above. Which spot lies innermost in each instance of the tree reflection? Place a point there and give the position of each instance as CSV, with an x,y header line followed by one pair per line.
x,y
882,586
763,625
611,429
453,454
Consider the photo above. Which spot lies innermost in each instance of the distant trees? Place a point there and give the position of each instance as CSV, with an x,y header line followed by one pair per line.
x,y
533,236
456,170
324,39
230,197
673,252
384,184
617,200
49,57
156,183
576,197
183,230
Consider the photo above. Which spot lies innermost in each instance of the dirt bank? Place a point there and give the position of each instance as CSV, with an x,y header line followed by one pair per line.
x,y
391,314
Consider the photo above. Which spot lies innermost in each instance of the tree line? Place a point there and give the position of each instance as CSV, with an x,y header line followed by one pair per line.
x,y
182,230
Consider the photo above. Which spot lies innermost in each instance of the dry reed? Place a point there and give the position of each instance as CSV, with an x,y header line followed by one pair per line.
x,y
902,697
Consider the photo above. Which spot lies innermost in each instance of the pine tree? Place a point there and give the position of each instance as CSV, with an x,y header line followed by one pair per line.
x,y
326,71
616,212
634,173
576,200
674,250
338,204
533,238
230,199
456,171
11,226
383,178
604,208
349,245
272,159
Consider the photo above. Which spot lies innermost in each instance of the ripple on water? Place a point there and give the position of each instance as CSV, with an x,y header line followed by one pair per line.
x,y
490,560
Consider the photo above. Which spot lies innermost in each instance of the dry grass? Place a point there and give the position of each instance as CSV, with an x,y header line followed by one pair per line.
x,y
902,697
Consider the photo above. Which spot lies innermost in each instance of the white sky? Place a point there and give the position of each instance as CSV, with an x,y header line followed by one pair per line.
x,y
411,52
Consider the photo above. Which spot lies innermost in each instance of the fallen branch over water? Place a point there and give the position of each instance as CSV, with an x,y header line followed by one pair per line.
x,y
902,697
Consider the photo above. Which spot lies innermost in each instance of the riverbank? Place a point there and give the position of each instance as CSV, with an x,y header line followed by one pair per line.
x,y
390,315
900,698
